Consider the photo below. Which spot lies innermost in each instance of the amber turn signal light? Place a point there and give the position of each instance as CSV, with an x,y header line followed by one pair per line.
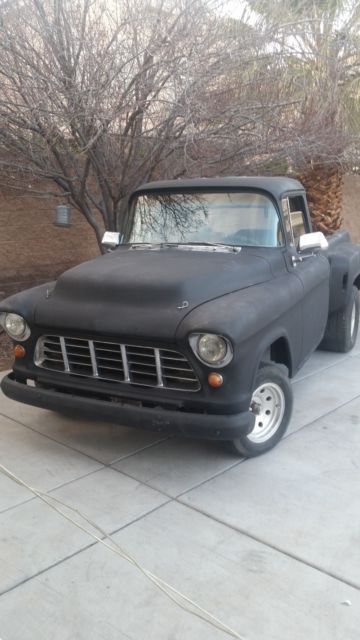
x,y
215,380
19,351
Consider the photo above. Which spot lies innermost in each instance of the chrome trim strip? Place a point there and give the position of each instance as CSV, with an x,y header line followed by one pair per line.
x,y
64,354
160,382
125,363
93,358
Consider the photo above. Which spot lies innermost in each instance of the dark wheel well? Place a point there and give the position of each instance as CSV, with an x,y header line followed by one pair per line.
x,y
357,281
279,352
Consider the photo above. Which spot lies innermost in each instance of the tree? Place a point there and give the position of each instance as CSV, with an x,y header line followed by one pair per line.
x,y
319,45
98,97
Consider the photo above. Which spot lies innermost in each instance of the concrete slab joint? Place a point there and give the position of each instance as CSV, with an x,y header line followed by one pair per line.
x,y
269,545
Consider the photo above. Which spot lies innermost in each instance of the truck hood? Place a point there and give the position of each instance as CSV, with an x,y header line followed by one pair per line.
x,y
145,292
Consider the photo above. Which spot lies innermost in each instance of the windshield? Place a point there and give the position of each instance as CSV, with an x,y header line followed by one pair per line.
x,y
238,219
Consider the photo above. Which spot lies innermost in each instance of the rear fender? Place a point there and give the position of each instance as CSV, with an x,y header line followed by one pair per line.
x,y
345,272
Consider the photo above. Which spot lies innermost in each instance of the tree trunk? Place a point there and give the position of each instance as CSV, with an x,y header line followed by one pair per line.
x,y
324,194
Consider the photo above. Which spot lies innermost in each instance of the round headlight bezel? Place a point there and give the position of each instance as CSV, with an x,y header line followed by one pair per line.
x,y
20,335
195,339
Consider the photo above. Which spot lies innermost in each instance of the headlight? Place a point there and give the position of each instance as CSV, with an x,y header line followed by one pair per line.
x,y
16,327
212,349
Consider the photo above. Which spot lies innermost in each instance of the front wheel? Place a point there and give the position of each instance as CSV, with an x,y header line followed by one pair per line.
x,y
272,402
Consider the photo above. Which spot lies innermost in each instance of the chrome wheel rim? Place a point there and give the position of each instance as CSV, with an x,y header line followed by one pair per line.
x,y
268,405
353,320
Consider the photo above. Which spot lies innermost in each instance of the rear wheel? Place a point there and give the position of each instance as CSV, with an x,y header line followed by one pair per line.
x,y
271,403
342,327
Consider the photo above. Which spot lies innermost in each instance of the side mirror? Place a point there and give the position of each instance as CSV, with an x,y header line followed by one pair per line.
x,y
315,240
111,239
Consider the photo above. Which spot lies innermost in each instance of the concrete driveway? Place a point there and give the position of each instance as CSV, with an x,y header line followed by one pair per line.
x,y
269,545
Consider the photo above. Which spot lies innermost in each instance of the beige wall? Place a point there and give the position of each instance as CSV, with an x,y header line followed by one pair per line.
x,y
351,206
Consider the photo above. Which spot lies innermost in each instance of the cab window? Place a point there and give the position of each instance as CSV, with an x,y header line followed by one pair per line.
x,y
297,218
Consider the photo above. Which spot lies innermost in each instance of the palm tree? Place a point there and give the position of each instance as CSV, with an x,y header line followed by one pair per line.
x,y
319,44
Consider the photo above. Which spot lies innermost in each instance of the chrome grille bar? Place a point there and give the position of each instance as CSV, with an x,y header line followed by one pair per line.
x,y
64,354
158,368
93,359
125,363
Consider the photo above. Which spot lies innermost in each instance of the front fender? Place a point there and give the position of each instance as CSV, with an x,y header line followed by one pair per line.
x,y
24,302
252,319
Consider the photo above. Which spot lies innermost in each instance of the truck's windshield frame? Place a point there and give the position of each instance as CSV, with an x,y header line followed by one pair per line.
x,y
232,218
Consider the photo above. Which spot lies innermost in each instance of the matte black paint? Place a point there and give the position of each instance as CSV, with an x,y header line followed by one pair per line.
x,y
137,292
199,425
255,298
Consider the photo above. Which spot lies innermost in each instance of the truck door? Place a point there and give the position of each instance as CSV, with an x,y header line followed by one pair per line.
x,y
313,271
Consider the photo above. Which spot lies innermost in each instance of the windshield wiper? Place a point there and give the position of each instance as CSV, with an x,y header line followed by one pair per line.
x,y
141,245
181,245
231,247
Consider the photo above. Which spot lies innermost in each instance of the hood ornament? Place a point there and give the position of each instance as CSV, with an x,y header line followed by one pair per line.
x,y
183,305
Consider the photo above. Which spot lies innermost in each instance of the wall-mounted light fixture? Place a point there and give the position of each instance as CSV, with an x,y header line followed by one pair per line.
x,y
62,216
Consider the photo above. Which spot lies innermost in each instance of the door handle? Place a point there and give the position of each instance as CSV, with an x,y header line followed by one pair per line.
x,y
296,259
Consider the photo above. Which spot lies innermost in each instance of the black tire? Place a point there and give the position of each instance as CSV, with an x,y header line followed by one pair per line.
x,y
273,397
342,327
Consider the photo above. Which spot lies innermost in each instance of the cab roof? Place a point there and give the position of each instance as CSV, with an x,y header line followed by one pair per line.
x,y
276,186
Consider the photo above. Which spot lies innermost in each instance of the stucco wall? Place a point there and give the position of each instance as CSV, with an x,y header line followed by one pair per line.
x,y
351,206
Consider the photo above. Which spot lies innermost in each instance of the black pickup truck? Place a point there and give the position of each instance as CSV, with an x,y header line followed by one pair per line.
x,y
216,295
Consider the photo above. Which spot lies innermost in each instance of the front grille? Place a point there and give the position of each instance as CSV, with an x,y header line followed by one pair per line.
x,y
114,362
